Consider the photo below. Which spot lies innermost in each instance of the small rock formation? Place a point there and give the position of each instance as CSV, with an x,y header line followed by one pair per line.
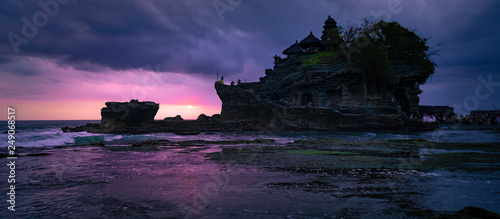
x,y
215,116
203,117
315,88
176,118
84,128
133,114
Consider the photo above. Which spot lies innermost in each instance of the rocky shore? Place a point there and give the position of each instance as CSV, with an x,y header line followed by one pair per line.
x,y
136,117
196,126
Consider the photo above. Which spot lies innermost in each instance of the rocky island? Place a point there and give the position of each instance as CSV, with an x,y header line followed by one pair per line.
x,y
122,117
129,114
331,84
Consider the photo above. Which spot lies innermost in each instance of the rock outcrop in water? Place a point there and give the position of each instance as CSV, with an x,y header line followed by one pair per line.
x,y
176,118
133,114
318,87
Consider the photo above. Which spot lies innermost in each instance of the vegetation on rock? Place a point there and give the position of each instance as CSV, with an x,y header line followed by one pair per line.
x,y
379,46
320,58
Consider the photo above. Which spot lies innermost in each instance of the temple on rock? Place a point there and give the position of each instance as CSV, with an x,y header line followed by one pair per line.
x,y
326,84
312,44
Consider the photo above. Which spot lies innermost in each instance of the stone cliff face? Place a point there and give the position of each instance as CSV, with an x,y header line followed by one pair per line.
x,y
338,95
335,97
120,115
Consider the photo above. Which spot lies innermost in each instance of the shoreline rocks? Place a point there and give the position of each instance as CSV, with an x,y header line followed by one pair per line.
x,y
176,118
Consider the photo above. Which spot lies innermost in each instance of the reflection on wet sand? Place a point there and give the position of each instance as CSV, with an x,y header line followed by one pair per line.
x,y
260,178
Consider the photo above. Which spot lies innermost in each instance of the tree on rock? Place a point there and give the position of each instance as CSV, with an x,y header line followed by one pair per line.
x,y
379,46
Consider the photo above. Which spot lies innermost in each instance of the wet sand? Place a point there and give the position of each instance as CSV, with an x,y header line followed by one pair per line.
x,y
319,178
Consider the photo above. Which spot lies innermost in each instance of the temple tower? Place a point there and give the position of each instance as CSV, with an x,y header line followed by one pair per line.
x,y
330,38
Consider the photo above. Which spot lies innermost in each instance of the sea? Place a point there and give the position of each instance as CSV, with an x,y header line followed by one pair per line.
x,y
35,134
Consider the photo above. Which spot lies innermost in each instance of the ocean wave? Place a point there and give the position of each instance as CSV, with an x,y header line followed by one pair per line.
x,y
51,132
112,137
48,142
52,135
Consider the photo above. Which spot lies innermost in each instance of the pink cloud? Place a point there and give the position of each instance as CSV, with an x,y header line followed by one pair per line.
x,y
55,92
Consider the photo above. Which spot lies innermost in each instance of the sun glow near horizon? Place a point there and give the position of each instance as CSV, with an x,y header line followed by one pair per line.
x,y
91,110
75,94
190,111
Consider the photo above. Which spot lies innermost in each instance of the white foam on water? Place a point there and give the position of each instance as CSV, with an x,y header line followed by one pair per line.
x,y
427,151
47,142
460,136
55,137
37,136
50,132
431,174
112,137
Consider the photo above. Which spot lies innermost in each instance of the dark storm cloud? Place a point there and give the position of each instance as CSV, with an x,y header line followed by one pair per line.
x,y
5,59
189,37
472,39
179,36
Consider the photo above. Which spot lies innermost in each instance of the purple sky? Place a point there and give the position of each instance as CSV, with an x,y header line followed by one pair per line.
x,y
88,52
